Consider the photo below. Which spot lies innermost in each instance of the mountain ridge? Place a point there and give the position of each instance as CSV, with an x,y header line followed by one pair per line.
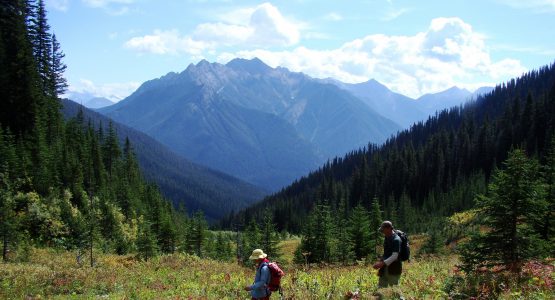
x,y
192,116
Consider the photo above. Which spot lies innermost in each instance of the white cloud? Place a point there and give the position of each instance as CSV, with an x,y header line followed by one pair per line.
x,y
263,26
112,91
61,5
166,42
448,53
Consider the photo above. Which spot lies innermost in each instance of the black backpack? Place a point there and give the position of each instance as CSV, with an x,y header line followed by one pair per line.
x,y
405,247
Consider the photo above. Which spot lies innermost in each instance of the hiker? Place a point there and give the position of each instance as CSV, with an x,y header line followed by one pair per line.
x,y
390,266
259,289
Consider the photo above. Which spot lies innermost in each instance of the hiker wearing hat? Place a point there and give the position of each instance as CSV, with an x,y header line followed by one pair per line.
x,y
259,289
390,266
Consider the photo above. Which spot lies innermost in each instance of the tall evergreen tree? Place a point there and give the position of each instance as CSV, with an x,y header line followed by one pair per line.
x,y
359,231
511,210
197,233
146,242
58,81
252,239
41,39
375,222
270,238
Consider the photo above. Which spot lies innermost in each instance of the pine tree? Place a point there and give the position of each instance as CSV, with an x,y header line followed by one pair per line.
x,y
375,222
58,81
270,238
146,242
344,244
510,212
252,239
222,249
359,231
197,234
39,32
316,243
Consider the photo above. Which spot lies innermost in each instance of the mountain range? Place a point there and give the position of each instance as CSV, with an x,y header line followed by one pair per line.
x,y
89,100
180,180
404,110
433,169
267,126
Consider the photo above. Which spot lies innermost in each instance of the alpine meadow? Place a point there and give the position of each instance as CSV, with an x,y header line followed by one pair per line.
x,y
298,150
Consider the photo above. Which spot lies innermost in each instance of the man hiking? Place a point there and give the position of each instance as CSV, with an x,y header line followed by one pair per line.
x,y
390,266
259,289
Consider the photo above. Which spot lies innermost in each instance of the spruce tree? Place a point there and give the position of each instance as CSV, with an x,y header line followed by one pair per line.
x,y
58,81
252,239
359,231
197,234
375,222
343,249
147,246
269,237
510,211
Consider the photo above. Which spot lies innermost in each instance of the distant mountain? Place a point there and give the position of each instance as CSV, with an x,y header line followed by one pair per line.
x,y
89,100
482,91
180,180
433,169
264,125
404,110
399,108
98,102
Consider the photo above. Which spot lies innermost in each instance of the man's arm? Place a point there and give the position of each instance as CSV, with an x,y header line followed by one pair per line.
x,y
392,258
264,278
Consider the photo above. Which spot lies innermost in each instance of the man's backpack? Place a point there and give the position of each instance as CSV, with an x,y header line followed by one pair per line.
x,y
275,276
405,247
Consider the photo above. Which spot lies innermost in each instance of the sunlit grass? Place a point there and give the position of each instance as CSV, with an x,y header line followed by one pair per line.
x,y
56,275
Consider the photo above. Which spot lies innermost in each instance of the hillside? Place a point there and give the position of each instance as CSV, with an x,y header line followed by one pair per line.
x,y
263,125
183,182
434,168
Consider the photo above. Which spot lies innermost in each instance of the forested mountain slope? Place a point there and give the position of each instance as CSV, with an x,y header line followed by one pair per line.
x,y
183,182
434,168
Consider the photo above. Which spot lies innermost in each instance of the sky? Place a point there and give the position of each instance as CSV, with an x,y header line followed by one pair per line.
x,y
413,47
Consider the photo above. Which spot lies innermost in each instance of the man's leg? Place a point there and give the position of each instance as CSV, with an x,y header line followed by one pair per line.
x,y
387,279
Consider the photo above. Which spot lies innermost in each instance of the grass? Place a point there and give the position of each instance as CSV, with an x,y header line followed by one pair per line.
x,y
55,275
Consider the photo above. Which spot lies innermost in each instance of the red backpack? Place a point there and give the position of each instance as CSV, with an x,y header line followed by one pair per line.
x,y
275,276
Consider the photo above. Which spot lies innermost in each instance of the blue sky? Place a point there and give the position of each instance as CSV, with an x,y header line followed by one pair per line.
x,y
413,47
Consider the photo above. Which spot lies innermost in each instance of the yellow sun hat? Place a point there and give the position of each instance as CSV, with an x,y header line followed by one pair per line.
x,y
257,254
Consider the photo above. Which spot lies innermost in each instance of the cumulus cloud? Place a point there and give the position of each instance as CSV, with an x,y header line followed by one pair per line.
x,y
448,53
166,42
265,27
112,91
